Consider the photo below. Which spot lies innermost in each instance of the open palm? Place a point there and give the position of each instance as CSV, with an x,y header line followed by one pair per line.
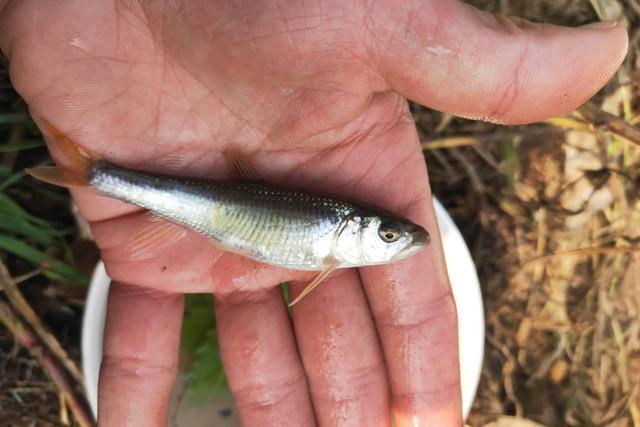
x,y
314,94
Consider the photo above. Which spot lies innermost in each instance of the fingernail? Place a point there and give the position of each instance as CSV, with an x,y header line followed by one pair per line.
x,y
601,25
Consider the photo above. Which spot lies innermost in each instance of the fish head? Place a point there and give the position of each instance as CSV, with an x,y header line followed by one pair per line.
x,y
371,239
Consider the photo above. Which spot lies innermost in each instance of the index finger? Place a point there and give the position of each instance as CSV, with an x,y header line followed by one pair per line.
x,y
415,315
140,357
413,307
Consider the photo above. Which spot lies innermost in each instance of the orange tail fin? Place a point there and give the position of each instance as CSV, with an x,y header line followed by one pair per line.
x,y
74,161
59,176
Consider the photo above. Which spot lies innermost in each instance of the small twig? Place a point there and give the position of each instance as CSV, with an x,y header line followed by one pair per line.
x,y
31,318
15,136
633,407
450,142
576,252
24,277
591,118
64,414
50,364
12,407
609,122
583,251
469,169
29,331
444,122
599,10
486,156
446,165
635,7
498,135
507,369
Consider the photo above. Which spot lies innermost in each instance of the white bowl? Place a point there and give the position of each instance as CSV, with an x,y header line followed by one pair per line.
x,y
466,291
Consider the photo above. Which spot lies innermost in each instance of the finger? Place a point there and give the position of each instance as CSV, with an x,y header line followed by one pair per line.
x,y
260,360
140,356
341,353
452,57
411,300
416,319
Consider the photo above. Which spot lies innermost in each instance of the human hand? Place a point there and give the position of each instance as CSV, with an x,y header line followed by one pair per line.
x,y
315,94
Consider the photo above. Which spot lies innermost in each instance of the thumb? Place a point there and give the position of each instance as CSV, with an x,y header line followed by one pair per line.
x,y
455,58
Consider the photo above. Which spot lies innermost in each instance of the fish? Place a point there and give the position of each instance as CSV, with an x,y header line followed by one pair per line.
x,y
267,222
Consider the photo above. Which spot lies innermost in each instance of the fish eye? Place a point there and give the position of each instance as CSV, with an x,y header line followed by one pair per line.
x,y
388,235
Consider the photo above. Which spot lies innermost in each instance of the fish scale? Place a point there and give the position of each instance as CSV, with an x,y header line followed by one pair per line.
x,y
269,223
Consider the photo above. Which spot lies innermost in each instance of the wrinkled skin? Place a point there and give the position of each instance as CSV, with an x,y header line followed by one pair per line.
x,y
314,92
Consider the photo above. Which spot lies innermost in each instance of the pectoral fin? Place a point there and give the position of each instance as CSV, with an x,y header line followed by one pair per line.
x,y
150,237
332,265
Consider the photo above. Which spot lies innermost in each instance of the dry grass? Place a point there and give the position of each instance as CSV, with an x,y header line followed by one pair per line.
x,y
552,215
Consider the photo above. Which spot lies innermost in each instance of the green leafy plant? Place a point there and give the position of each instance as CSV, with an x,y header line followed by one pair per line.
x,y
200,344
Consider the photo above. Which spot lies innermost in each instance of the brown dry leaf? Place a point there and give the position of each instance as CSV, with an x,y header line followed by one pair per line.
x,y
612,103
539,160
523,332
559,371
633,231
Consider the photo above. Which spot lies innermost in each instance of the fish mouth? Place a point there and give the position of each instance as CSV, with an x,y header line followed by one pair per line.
x,y
420,239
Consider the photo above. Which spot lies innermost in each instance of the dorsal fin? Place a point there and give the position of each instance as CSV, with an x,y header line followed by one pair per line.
x,y
241,166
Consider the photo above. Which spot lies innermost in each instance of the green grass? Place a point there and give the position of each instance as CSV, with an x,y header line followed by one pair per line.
x,y
13,118
51,267
24,145
23,234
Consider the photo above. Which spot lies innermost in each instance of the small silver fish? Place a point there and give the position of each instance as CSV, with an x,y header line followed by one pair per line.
x,y
269,223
